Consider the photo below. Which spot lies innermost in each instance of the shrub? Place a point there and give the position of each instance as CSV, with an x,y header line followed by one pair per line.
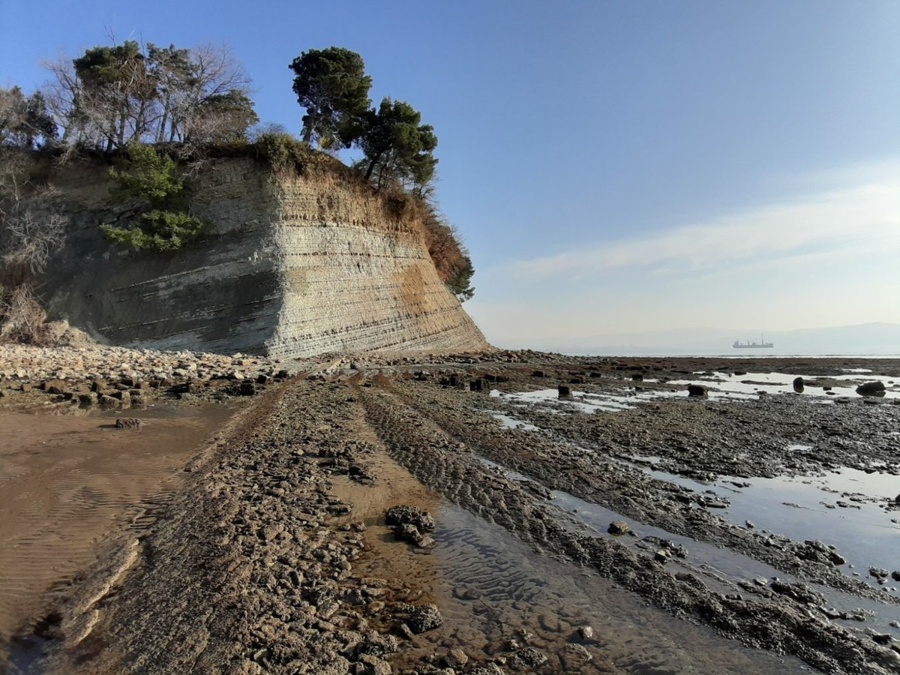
x,y
281,150
153,178
450,257
21,315
159,231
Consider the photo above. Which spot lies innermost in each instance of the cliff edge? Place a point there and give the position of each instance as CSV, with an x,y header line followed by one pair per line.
x,y
297,265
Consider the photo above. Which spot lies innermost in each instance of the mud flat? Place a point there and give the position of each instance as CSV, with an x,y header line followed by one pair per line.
x,y
613,529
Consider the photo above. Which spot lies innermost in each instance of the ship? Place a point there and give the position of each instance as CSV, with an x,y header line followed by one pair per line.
x,y
762,344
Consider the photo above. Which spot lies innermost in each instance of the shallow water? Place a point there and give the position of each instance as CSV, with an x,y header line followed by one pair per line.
x,y
714,563
844,508
818,508
722,386
494,588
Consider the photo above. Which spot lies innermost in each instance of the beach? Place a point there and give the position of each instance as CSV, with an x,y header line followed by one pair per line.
x,y
583,515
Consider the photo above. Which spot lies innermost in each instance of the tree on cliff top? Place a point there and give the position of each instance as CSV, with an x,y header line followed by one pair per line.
x,y
112,97
333,87
24,122
397,147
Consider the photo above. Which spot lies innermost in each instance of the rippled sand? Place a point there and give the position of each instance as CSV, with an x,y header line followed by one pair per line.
x,y
67,485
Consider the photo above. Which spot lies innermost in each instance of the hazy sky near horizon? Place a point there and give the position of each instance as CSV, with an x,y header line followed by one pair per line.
x,y
613,166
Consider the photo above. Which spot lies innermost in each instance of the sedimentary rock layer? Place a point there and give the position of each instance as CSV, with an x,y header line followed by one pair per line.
x,y
297,266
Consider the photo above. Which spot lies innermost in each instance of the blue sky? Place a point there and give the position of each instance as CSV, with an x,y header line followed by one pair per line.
x,y
613,166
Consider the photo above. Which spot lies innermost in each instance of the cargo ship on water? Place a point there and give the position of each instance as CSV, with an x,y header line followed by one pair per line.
x,y
762,344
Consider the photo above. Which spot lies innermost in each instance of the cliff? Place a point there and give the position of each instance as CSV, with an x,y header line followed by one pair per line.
x,y
296,266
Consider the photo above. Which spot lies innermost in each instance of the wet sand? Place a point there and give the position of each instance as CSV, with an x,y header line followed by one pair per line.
x,y
70,486
273,554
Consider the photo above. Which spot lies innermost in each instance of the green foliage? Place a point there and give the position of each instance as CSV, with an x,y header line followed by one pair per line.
x,y
223,118
281,150
25,122
397,147
103,66
333,87
154,179
150,176
114,96
446,249
159,231
461,283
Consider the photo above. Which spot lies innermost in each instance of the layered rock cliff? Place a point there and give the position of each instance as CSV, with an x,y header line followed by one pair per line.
x,y
296,266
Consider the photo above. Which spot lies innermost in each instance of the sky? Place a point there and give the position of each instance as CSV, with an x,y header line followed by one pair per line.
x,y
613,167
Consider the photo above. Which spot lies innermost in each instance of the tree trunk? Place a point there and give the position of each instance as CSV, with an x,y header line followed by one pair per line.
x,y
372,164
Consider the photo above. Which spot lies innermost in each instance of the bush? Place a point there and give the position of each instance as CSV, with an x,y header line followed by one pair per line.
x,y
21,315
281,150
159,231
450,257
153,177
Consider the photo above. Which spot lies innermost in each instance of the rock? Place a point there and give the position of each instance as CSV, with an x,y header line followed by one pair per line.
x,y
531,657
128,423
247,389
456,658
55,387
476,385
698,390
798,385
662,556
421,618
109,401
87,400
564,390
618,527
871,389
410,515
637,377
878,572
586,633
408,532
375,665
895,575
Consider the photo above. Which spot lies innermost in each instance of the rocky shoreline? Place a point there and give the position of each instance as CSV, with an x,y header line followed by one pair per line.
x,y
267,561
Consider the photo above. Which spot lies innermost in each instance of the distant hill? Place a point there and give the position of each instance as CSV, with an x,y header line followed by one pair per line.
x,y
880,339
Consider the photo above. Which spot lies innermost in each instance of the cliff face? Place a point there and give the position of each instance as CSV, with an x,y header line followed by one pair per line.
x,y
296,267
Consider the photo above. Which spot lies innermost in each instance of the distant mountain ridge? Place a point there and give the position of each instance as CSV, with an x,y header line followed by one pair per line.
x,y
879,339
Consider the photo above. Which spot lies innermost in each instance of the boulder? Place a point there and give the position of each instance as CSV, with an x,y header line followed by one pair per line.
x,y
698,391
56,387
618,527
871,389
421,618
397,516
564,390
798,385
